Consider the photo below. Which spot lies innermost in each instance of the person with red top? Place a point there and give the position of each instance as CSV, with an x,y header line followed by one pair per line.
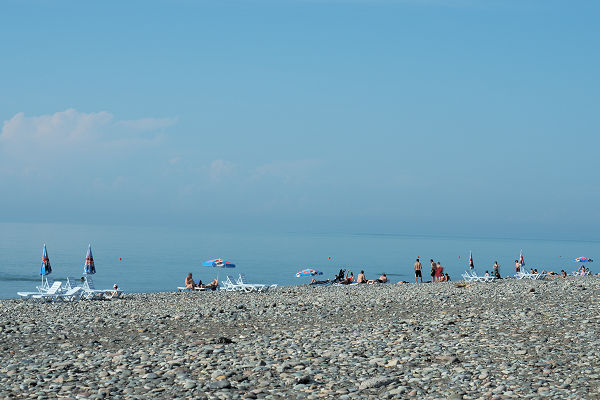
x,y
439,272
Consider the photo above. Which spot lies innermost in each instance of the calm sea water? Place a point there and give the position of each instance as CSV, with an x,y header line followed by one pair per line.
x,y
142,259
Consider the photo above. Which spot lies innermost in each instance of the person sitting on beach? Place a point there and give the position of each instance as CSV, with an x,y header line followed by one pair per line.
x,y
517,266
486,274
563,273
361,277
447,278
348,279
114,292
189,282
339,277
316,282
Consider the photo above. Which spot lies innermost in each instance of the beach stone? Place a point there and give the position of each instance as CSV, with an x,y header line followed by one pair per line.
x,y
375,382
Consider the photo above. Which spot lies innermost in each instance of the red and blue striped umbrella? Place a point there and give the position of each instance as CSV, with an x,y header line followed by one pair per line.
x,y
89,268
46,268
218,263
308,272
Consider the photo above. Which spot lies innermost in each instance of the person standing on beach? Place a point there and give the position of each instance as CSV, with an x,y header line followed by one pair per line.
x,y
439,272
517,266
433,268
497,269
418,268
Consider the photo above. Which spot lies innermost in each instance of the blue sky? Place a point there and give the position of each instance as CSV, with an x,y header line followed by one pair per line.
x,y
362,116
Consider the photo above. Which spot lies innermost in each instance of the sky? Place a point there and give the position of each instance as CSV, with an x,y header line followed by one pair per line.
x,y
389,116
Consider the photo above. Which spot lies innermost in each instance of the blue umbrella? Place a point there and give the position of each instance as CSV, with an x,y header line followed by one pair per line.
x,y
89,268
218,263
583,259
46,268
308,272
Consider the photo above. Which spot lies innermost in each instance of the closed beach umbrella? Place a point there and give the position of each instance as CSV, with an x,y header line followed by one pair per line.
x,y
218,263
471,265
89,268
46,268
583,259
308,272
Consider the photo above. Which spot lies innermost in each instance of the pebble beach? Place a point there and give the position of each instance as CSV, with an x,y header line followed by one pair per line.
x,y
500,340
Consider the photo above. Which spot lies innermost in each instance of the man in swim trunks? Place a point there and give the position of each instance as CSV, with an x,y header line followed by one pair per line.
x,y
418,268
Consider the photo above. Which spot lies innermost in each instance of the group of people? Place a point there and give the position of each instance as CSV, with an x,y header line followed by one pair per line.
x,y
190,284
347,277
437,272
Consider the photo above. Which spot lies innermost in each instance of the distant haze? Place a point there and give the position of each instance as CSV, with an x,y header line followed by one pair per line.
x,y
468,117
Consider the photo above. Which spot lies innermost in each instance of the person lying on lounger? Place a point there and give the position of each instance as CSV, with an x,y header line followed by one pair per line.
x,y
316,282
213,285
382,279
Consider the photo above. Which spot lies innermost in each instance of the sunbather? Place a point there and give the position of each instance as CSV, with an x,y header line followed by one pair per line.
x,y
563,273
348,279
189,282
316,282
114,292
339,277
213,285
361,277
382,279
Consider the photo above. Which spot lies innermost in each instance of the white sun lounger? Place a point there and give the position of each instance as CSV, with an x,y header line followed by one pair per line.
x,y
250,287
52,289
230,285
70,295
50,294
529,275
471,276
186,289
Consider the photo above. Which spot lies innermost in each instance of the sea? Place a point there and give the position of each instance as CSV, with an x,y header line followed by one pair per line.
x,y
157,259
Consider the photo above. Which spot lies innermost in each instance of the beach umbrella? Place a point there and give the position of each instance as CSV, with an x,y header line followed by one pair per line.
x,y
218,263
583,259
46,268
89,268
308,272
471,265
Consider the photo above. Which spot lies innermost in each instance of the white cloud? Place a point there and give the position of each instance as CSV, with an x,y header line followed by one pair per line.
x,y
70,140
220,170
72,126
